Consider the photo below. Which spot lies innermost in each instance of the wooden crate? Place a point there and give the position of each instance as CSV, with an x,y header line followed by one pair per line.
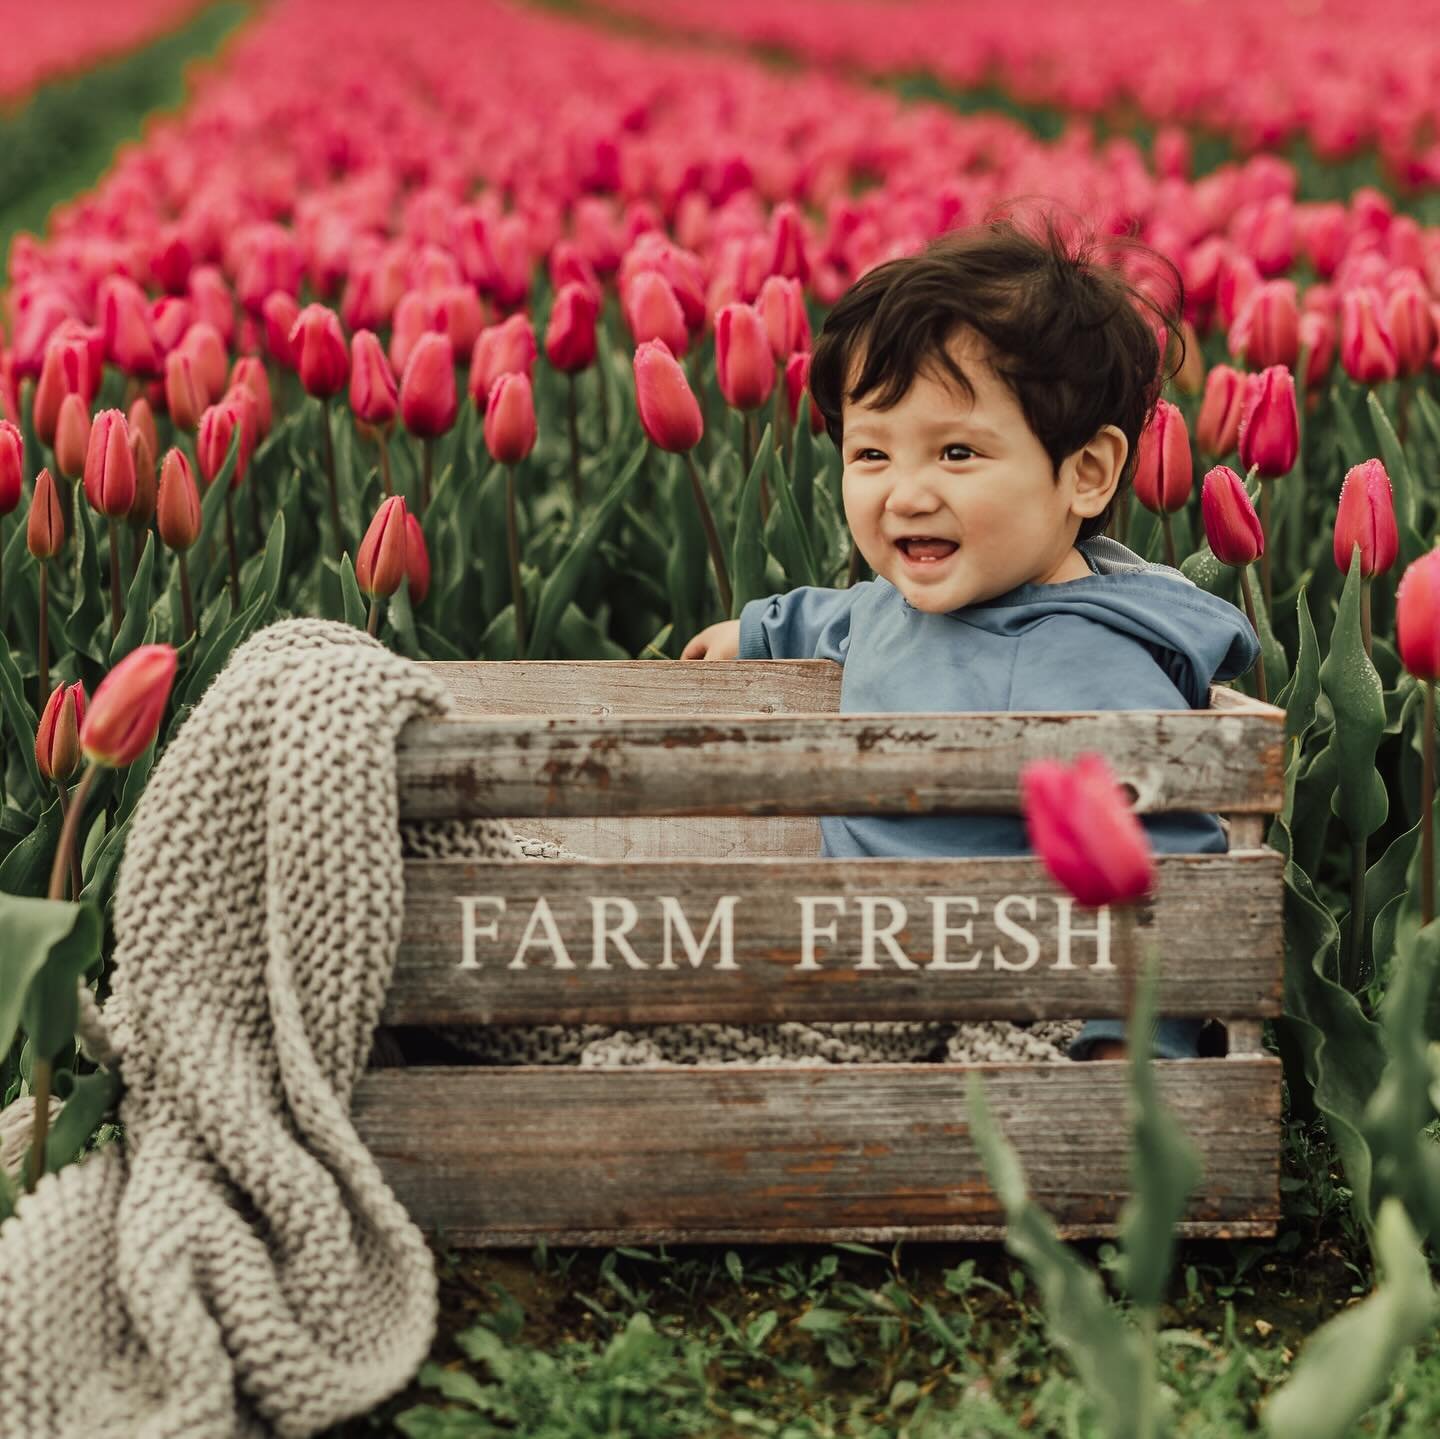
x,y
696,787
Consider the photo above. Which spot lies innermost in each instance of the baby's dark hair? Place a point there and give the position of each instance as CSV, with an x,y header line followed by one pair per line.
x,y
1074,338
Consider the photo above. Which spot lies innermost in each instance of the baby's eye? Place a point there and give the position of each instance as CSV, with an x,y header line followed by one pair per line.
x,y
869,454
966,452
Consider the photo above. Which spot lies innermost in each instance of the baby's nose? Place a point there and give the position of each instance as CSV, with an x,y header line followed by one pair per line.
x,y
912,494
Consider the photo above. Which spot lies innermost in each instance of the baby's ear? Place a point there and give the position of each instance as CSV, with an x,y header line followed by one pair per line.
x,y
1098,465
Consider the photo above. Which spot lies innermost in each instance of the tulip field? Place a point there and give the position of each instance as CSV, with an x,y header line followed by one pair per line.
x,y
488,331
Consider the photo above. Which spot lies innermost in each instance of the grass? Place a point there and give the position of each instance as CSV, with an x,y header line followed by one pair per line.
x,y
921,1340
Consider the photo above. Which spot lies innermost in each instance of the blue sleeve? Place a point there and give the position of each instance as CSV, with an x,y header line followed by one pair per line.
x,y
808,623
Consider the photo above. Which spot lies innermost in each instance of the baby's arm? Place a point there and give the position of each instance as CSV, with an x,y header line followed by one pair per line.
x,y
715,642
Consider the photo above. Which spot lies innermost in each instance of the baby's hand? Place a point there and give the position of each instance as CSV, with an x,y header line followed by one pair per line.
x,y
715,642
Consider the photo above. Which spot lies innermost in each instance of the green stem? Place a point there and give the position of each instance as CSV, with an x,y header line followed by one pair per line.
x,y
1355,950
1248,595
187,600
1145,1409
1427,814
427,471
334,485
712,537
233,552
1365,584
40,1125
372,623
574,418
117,607
382,441
1169,539
512,547
43,650
1265,529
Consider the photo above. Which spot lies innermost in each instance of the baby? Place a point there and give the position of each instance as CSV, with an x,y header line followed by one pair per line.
x,y
987,397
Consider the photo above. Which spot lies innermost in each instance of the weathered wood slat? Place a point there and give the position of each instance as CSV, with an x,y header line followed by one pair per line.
x,y
602,687
501,1157
824,764
697,836
1008,945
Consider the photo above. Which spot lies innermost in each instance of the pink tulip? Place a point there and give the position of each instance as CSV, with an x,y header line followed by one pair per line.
x,y
109,466
1408,321
1232,527
744,365
428,401
504,349
124,717
1417,617
1217,428
417,561
653,312
570,335
72,436
1270,423
1267,329
1163,472
668,408
510,419
1366,517
130,339
1317,335
186,394
65,372
1086,836
782,307
249,371
374,395
279,313
12,466
1367,350
45,527
380,562
177,506
57,738
321,359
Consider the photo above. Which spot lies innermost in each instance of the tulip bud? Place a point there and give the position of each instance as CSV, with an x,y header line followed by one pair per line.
x,y
186,394
1267,329
781,305
124,717
280,311
743,362
1087,837
45,529
668,408
374,395
787,247
142,507
12,466
797,383
1163,469
570,335
510,419
1190,377
109,465
504,349
1217,427
1270,424
203,344
57,738
381,561
1417,617
72,437
130,340
1367,350
177,507
1366,517
65,372
1317,335
417,560
652,311
1232,527
249,371
428,402
321,358
171,317
1407,318
217,427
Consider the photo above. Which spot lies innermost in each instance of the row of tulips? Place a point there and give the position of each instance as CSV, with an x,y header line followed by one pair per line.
x,y
1342,77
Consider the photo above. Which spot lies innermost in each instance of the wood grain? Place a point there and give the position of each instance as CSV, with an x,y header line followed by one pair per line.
x,y
1216,920
499,1157
824,764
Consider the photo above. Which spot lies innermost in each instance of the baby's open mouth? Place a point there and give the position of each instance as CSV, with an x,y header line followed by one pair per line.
x,y
926,548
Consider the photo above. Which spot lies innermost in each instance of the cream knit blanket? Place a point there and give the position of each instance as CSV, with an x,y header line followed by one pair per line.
x,y
237,1266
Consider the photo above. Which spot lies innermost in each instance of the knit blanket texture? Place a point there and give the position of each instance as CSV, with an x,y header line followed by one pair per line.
x,y
235,1266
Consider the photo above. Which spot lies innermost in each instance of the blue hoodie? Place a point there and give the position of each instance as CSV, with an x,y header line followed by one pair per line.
x,y
1130,635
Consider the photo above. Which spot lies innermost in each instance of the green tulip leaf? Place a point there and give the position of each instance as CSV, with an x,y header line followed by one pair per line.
x,y
49,944
137,605
350,596
88,611
25,870
21,722
1402,480
747,556
91,1099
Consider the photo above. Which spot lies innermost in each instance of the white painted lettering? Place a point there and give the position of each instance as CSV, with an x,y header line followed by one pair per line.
x,y
944,930
602,933
1067,930
869,903
1011,930
542,919
723,919
470,930
810,931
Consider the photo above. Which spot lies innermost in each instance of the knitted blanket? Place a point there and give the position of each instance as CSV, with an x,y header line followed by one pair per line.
x,y
237,1266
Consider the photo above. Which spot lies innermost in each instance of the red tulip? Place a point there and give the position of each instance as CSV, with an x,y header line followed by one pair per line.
x,y
57,738
213,302
570,335
417,560
280,312
177,507
374,395
249,370
1164,474
652,311
1217,427
72,436
186,393
381,561
1085,834
45,528
109,465
1366,517
668,408
130,340
504,349
142,507
171,317
1367,350
787,245
124,717
744,365
428,402
1267,329
65,372
1407,318
321,359
212,443
797,384
1417,617
12,466
1270,424
1231,525
781,304
510,419
1317,335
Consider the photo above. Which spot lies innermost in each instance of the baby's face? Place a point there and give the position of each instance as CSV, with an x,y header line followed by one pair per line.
x,y
955,503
